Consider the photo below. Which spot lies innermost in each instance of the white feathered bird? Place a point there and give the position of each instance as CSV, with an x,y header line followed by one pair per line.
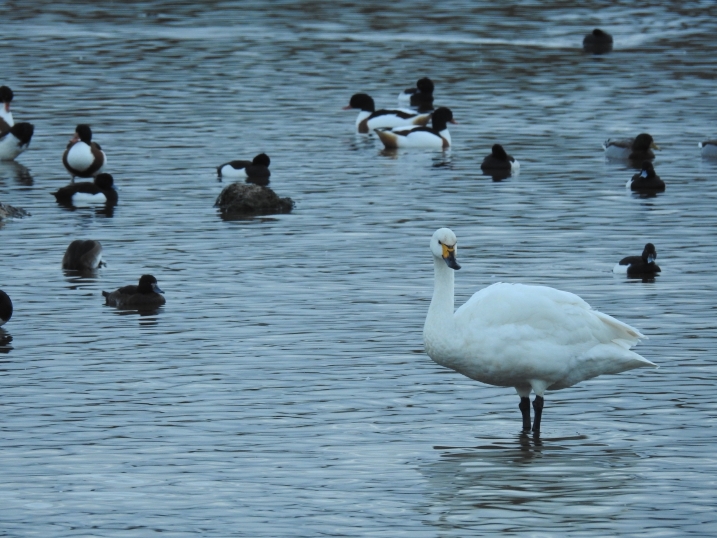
x,y
532,338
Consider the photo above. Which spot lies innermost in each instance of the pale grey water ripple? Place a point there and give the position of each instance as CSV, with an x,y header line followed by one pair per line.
x,y
283,390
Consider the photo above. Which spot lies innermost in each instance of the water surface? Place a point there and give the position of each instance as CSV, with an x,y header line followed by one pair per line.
x,y
283,390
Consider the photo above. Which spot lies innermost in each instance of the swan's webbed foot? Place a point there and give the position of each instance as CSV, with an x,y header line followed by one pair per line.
x,y
538,406
524,407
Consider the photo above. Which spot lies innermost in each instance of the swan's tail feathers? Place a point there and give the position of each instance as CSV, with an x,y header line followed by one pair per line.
x,y
623,334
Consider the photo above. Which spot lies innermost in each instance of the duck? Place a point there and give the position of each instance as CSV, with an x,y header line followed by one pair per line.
x,y
83,158
420,97
16,140
647,180
100,191
370,119
597,42
709,148
5,308
499,164
6,120
634,149
257,168
436,136
145,295
642,266
531,338
82,255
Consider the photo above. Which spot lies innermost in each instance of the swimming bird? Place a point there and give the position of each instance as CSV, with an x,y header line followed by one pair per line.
x,y
709,148
420,97
5,308
6,120
257,168
647,180
83,255
532,338
597,42
16,140
634,149
83,158
643,265
146,295
436,136
369,118
100,191
499,164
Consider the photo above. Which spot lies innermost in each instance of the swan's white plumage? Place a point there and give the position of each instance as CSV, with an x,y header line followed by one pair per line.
x,y
527,337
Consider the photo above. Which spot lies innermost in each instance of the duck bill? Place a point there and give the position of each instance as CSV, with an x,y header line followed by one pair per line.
x,y
655,146
651,258
347,107
156,289
7,107
449,256
454,122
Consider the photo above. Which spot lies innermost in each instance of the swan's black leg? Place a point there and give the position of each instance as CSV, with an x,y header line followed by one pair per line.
x,y
538,406
524,407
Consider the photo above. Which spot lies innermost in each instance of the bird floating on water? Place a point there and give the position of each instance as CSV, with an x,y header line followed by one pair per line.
x,y
436,136
597,42
369,118
640,266
420,97
146,295
637,150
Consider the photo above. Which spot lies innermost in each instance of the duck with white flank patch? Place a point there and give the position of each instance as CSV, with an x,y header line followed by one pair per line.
x,y
640,266
83,157
5,308
146,295
369,118
532,338
436,136
499,164
100,191
597,42
16,140
83,255
646,181
257,168
420,97
708,149
636,149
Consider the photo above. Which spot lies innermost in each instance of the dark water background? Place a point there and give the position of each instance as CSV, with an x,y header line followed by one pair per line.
x,y
283,390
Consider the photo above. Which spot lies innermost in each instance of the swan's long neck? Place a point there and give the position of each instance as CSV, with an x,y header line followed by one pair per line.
x,y
439,329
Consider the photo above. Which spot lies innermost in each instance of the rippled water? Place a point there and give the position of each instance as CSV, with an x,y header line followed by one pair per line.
x,y
283,390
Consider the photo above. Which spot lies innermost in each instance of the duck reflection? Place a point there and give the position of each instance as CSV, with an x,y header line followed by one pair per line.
x,y
18,171
5,339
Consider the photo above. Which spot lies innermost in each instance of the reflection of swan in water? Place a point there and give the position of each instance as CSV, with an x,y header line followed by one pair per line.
x,y
510,483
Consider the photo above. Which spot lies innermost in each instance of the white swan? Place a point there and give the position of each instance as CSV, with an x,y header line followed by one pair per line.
x,y
527,337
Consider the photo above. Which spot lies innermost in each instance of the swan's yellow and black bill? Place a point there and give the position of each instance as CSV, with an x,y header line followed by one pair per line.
x,y
449,257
